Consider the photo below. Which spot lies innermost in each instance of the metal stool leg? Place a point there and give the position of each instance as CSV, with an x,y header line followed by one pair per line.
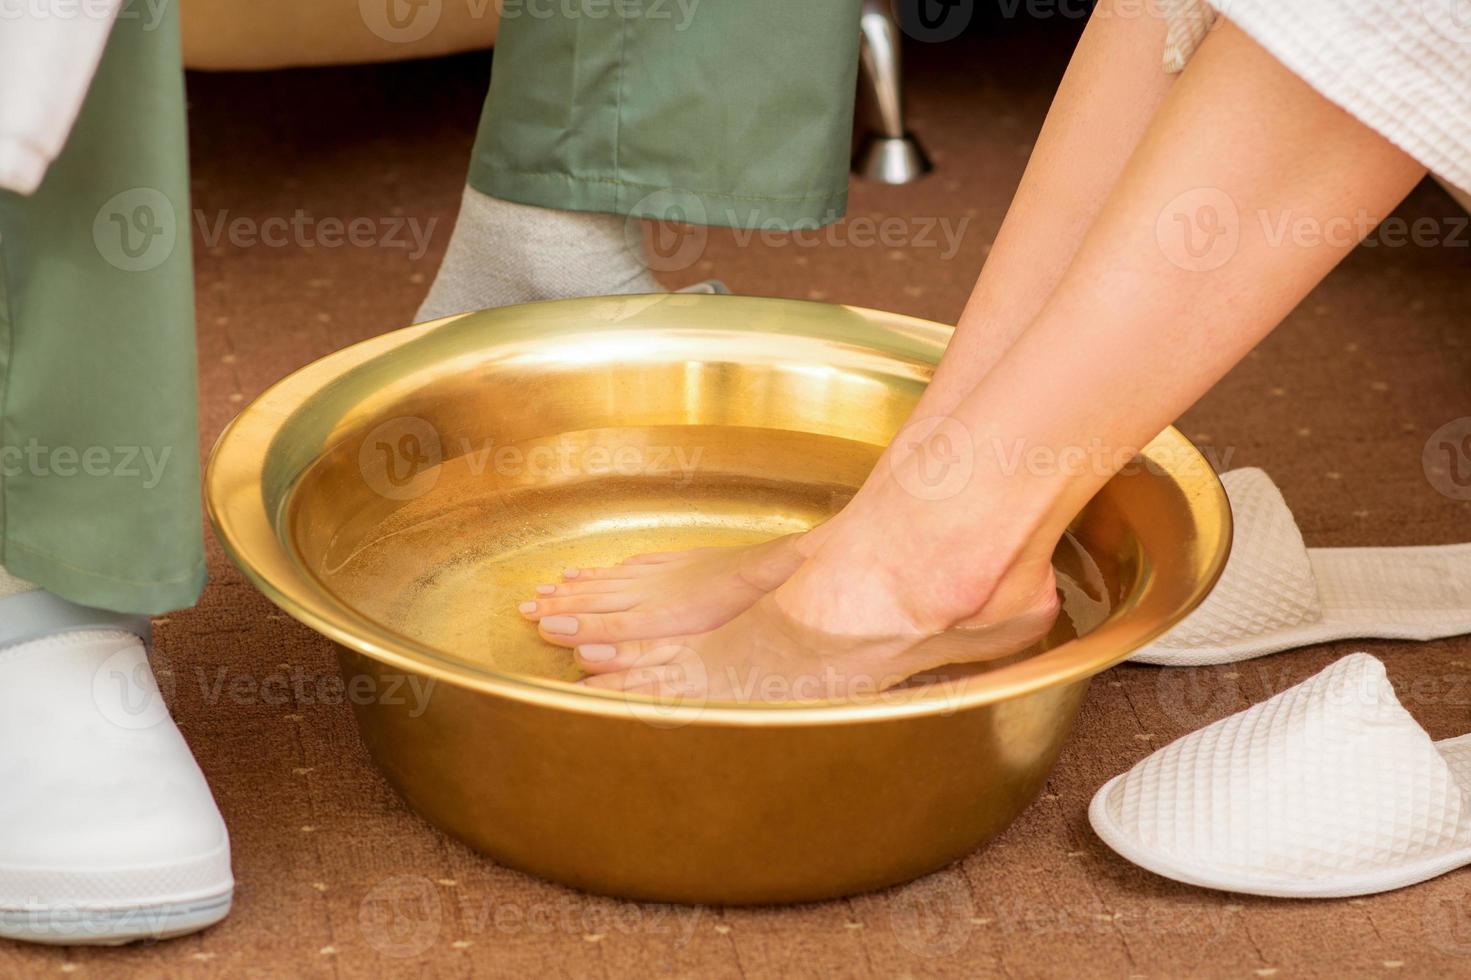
x,y
889,153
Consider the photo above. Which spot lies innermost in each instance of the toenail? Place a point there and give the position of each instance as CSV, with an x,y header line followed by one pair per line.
x,y
545,589
527,607
596,653
569,572
561,625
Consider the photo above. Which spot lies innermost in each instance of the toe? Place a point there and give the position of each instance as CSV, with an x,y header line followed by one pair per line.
x,y
594,603
575,629
615,572
658,557
666,681
643,666
613,658
588,587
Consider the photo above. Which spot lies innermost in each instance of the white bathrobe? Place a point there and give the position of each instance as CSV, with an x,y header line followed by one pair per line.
x,y
49,50
1401,67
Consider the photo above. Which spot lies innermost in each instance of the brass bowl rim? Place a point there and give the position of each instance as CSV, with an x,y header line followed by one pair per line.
x,y
249,537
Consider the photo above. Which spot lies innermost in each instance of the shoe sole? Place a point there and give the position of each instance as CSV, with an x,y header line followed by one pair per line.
x,y
81,926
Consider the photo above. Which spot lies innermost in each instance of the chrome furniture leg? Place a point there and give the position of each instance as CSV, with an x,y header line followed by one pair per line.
x,y
888,153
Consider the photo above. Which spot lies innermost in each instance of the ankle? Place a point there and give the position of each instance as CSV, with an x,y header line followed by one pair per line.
x,y
502,252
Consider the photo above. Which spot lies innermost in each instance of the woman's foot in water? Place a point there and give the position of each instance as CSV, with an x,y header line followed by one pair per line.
x,y
666,593
869,608
843,626
671,593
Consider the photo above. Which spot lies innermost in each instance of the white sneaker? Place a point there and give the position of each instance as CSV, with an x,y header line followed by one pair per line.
x,y
108,831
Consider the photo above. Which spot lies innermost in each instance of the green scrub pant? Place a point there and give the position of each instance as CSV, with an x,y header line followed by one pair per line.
x,y
720,112
717,112
99,452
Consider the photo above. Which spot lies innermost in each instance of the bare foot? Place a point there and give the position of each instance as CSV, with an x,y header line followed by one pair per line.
x,y
834,630
662,594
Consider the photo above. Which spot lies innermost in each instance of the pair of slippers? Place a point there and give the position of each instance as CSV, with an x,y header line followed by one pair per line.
x,y
1330,788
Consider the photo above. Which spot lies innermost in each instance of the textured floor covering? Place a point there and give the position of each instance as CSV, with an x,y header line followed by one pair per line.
x,y
338,878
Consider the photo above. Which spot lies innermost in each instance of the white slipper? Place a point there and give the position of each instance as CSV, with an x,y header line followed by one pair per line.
x,y
1276,594
108,831
1327,790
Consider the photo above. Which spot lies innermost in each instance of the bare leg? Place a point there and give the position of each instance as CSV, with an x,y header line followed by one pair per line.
x,y
1083,146
1137,329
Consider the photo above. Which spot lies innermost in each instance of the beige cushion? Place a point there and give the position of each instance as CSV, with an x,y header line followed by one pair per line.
x,y
235,34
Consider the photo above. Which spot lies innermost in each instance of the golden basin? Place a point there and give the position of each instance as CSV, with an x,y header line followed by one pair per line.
x,y
402,495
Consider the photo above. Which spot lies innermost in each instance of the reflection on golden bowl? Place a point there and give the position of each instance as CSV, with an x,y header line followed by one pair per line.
x,y
402,495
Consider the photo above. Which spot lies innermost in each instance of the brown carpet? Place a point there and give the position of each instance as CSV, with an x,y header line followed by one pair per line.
x,y
336,875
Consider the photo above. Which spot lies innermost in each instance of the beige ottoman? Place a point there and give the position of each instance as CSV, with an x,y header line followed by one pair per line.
x,y
233,35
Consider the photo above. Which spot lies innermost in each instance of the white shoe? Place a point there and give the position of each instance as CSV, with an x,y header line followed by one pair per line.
x,y
1327,790
1278,594
108,831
